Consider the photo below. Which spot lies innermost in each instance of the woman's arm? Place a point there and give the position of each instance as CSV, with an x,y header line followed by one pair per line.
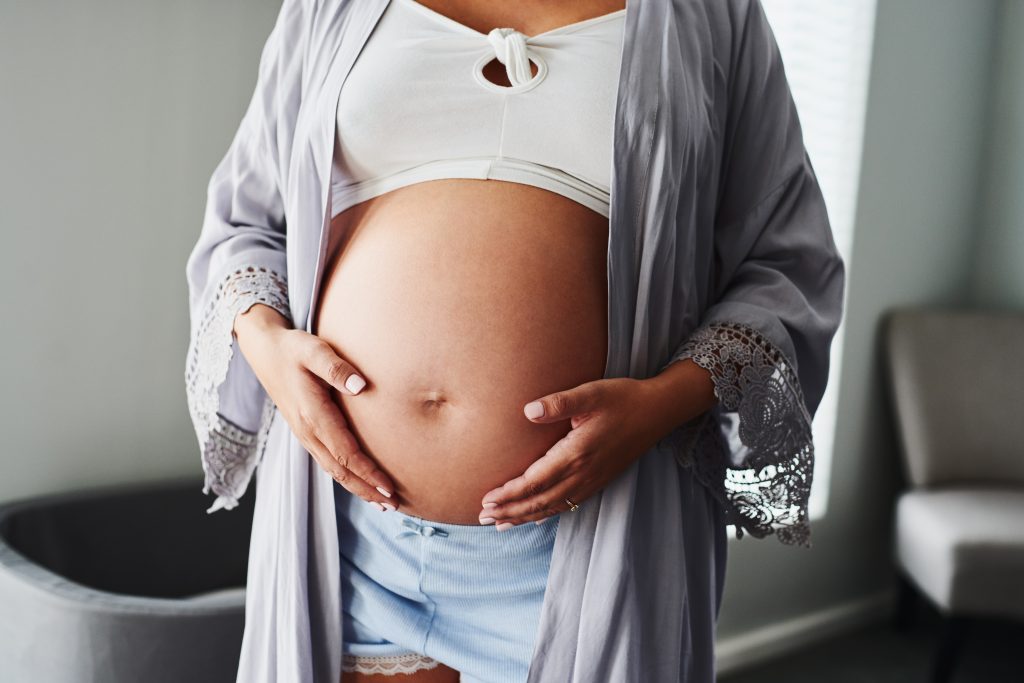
x,y
777,291
239,260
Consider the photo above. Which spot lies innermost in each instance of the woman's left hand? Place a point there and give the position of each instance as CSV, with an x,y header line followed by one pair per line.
x,y
614,421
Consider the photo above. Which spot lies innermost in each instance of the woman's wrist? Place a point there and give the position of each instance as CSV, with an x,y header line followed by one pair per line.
x,y
681,392
259,318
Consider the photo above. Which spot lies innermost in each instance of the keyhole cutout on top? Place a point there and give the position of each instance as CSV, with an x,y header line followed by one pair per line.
x,y
497,79
495,72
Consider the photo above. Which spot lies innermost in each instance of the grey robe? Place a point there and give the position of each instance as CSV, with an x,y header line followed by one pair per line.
x,y
720,250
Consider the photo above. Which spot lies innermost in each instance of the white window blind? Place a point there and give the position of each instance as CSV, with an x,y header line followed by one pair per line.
x,y
826,51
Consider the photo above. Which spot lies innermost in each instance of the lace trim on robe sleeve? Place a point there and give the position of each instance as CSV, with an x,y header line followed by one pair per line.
x,y
229,453
764,487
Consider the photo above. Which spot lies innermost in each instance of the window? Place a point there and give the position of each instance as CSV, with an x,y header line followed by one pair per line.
x,y
826,50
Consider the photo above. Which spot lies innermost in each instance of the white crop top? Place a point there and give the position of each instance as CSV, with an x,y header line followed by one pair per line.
x,y
416,107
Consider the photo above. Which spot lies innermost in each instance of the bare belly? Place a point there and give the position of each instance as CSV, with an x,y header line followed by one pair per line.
x,y
460,301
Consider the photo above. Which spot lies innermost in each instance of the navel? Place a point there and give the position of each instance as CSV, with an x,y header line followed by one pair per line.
x,y
433,400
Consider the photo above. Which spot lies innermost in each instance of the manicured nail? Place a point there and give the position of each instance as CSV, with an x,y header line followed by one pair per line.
x,y
389,506
534,410
490,505
355,383
384,491
377,505
504,525
487,520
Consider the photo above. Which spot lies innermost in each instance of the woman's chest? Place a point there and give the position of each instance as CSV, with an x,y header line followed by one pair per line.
x,y
663,139
421,92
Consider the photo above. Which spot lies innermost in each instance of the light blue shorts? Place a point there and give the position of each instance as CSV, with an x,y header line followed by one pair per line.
x,y
417,592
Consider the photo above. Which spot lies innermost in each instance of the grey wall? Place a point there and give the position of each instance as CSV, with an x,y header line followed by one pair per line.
x,y
918,220
112,118
115,113
998,278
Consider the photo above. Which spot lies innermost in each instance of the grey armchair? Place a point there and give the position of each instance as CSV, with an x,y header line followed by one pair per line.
x,y
956,380
122,584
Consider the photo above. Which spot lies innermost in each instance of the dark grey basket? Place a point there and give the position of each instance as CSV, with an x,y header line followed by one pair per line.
x,y
122,584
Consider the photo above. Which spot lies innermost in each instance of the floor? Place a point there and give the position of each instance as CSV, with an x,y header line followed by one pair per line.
x,y
991,653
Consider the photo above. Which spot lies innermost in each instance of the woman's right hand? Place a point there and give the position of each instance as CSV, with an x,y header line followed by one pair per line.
x,y
297,369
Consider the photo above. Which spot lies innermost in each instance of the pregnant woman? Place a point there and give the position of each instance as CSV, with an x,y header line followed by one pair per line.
x,y
479,343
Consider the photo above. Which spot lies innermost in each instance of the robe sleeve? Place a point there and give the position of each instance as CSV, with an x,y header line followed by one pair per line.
x,y
240,260
777,292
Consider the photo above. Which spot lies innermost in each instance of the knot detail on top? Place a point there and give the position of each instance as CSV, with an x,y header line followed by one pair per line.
x,y
511,50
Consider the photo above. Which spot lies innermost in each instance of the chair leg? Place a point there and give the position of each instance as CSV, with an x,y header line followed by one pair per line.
x,y
905,616
947,651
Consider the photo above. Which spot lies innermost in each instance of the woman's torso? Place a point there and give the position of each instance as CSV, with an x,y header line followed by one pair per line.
x,y
461,300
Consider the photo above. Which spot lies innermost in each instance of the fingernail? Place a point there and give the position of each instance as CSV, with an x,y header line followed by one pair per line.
x,y
355,383
376,505
490,505
487,520
542,520
384,491
534,410
389,506
504,525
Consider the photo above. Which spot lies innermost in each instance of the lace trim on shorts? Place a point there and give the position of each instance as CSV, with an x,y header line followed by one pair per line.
x,y
387,664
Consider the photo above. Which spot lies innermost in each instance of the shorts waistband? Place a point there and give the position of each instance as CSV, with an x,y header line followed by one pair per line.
x,y
467,540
